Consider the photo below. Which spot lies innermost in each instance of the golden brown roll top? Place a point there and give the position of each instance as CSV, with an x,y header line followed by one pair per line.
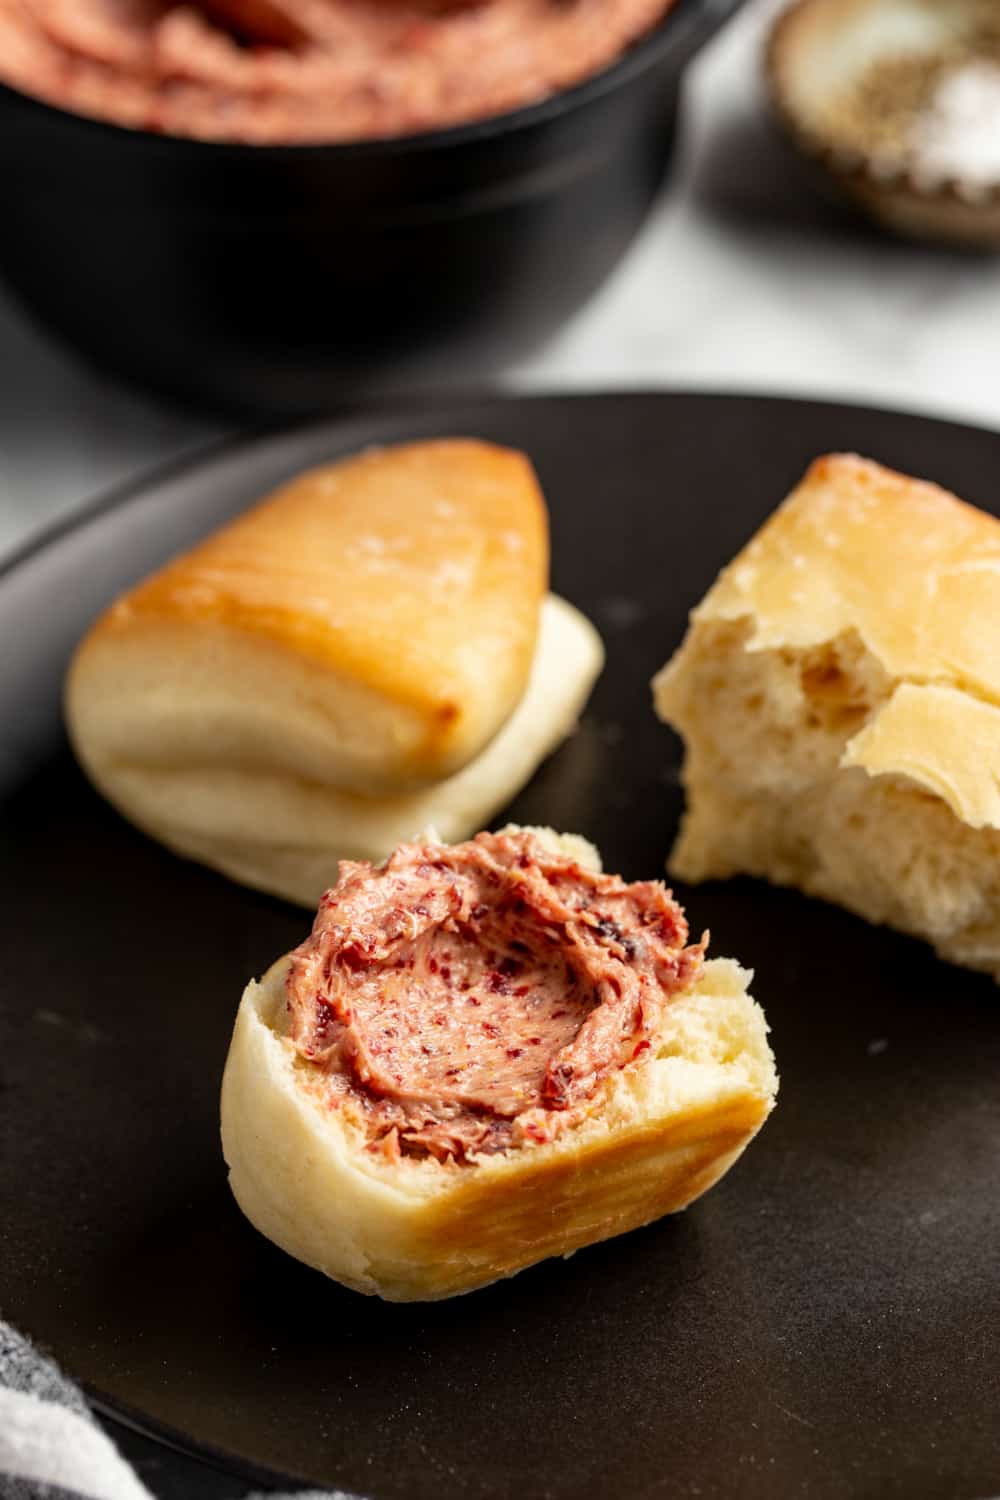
x,y
913,570
387,606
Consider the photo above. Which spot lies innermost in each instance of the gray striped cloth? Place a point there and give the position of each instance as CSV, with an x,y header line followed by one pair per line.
x,y
51,1447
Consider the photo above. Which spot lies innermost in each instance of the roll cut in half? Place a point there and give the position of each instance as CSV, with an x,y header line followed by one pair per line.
x,y
486,1054
370,650
838,693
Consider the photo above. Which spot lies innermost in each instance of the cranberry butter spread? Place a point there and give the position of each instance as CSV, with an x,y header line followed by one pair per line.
x,y
283,71
469,998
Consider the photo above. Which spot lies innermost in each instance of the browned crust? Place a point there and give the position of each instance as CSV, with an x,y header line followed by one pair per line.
x,y
653,1142
602,1189
856,546
415,573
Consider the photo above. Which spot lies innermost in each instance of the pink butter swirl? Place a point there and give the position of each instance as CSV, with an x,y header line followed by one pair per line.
x,y
467,998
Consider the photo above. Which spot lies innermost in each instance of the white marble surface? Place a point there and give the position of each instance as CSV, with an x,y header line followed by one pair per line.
x,y
743,279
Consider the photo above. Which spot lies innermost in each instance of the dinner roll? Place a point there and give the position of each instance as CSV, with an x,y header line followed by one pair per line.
x,y
838,693
370,649
653,1135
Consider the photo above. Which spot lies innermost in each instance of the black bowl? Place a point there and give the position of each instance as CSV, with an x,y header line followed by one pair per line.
x,y
275,281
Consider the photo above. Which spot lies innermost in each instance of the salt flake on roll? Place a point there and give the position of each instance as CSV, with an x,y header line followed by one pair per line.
x,y
484,1055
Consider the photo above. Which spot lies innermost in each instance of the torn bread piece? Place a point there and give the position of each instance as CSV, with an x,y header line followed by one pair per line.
x,y
369,650
838,693
485,1055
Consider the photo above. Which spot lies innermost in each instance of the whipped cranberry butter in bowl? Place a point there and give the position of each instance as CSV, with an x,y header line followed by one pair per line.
x,y
483,1055
271,204
281,72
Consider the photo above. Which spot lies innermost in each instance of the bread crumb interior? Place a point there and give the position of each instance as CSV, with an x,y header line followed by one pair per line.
x,y
765,733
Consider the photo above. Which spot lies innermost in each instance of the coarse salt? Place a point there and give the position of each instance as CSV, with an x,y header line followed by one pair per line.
x,y
958,135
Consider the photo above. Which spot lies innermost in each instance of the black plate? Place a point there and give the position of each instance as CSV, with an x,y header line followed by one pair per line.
x,y
826,1323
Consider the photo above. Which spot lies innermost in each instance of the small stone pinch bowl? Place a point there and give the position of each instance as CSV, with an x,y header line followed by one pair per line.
x,y
844,74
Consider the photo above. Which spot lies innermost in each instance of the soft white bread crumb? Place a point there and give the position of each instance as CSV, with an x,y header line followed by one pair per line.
x,y
661,1133
838,693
